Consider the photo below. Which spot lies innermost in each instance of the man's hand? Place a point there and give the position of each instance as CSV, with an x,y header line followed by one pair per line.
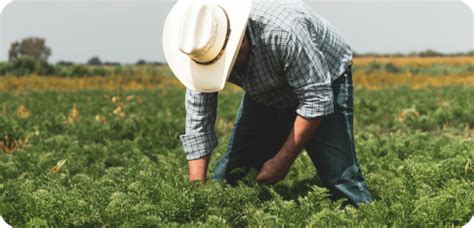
x,y
198,169
277,168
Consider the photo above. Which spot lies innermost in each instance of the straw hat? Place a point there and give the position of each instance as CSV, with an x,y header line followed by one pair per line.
x,y
201,40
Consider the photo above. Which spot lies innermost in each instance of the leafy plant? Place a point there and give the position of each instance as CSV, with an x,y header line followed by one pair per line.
x,y
127,168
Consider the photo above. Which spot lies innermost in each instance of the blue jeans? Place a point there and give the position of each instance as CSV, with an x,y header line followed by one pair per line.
x,y
260,131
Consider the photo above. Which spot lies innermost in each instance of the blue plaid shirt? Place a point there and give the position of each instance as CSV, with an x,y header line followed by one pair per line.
x,y
295,55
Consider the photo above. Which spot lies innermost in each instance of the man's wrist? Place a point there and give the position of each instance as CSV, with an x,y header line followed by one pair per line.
x,y
302,132
288,156
198,168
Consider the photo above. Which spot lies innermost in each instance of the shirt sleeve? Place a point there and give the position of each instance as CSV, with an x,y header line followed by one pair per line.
x,y
307,73
200,138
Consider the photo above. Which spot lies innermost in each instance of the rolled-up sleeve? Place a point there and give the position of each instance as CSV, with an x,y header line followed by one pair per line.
x,y
200,138
307,73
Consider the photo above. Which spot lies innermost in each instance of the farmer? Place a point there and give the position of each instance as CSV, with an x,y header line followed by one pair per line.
x,y
295,69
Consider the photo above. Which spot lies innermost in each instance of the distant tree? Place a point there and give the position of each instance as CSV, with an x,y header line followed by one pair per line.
x,y
157,63
141,62
34,47
430,53
94,61
112,63
65,63
43,68
79,71
23,65
26,65
14,51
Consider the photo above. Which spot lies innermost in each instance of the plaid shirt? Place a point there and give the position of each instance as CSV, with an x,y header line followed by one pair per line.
x,y
295,55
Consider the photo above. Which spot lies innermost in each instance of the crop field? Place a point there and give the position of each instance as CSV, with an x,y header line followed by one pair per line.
x,y
104,151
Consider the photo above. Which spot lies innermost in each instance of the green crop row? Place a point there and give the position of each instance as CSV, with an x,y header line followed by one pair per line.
x,y
95,158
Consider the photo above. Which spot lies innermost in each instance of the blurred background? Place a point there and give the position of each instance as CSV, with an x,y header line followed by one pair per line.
x,y
129,31
90,118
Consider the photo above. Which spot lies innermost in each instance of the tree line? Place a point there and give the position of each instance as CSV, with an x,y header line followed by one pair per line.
x,y
30,56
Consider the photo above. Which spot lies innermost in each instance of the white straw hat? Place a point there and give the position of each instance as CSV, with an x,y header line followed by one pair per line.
x,y
201,40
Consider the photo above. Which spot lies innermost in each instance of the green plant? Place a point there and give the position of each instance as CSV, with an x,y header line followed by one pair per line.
x,y
128,168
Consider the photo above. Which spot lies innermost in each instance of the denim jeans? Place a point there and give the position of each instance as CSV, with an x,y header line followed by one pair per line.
x,y
260,131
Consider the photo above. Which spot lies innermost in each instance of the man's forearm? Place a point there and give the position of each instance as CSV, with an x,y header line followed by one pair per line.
x,y
276,168
303,130
198,168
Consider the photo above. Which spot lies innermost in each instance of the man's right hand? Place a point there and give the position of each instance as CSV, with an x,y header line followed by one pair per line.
x,y
198,169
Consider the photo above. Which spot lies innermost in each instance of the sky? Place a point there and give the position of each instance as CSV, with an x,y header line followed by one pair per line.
x,y
126,31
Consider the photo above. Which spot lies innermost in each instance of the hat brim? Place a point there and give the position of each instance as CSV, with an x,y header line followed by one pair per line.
x,y
212,77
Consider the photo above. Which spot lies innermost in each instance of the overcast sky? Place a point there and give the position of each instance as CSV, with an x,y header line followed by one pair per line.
x,y
125,31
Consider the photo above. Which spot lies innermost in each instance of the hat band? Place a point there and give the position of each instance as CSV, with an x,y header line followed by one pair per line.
x,y
218,56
